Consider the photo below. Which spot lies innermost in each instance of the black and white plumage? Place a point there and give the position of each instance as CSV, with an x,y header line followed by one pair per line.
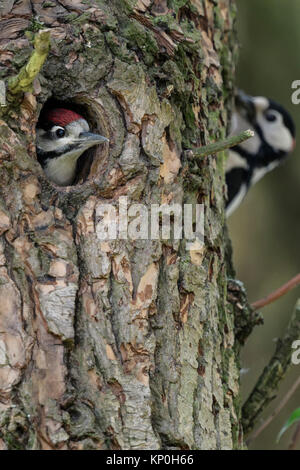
x,y
274,139
62,136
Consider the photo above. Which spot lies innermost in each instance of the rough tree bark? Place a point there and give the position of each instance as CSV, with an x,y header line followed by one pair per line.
x,y
123,344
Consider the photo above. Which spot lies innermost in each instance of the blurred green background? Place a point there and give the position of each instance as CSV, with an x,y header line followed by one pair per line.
x,y
265,230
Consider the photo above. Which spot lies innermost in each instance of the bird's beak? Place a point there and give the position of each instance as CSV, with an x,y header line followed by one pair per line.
x,y
90,139
245,104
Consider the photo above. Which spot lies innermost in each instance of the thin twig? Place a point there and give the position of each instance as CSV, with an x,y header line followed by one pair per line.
x,y
266,388
275,413
24,80
295,438
216,147
294,282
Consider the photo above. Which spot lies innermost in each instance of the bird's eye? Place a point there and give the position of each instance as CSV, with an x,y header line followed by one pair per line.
x,y
60,132
271,117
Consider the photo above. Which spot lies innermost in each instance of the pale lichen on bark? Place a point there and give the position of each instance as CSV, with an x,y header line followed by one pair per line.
x,y
122,344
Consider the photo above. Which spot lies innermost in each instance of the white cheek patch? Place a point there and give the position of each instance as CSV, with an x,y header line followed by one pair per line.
x,y
275,133
72,133
51,145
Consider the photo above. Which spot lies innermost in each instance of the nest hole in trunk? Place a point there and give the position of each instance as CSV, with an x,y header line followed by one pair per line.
x,y
92,164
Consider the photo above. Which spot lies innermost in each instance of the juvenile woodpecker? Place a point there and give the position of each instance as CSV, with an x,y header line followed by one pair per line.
x,y
274,139
62,136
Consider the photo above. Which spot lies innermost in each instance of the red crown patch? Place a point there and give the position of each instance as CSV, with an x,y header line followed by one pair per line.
x,y
62,117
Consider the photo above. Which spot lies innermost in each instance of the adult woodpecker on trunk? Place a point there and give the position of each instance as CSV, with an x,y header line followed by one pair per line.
x,y
274,139
62,136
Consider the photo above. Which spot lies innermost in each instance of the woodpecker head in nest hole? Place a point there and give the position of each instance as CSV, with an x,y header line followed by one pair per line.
x,y
274,139
61,138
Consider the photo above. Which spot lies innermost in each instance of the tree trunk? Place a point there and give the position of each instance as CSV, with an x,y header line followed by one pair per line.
x,y
117,344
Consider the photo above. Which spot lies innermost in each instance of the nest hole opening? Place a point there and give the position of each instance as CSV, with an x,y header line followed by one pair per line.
x,y
95,157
